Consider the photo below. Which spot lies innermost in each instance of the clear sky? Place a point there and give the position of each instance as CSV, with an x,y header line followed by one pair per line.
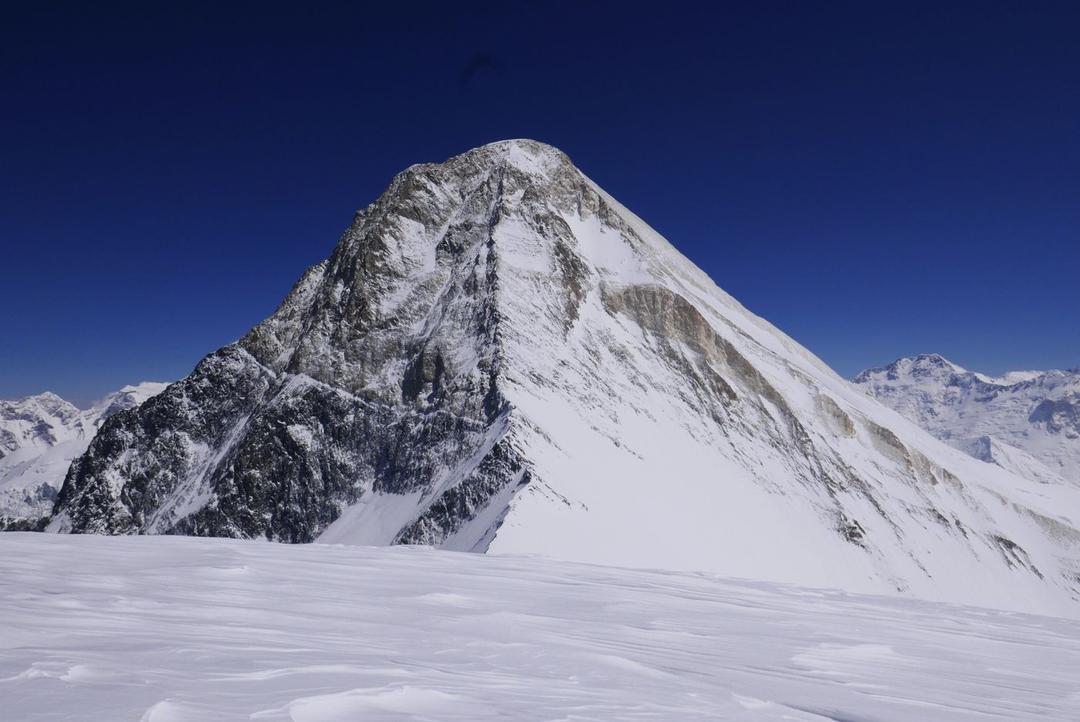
x,y
876,179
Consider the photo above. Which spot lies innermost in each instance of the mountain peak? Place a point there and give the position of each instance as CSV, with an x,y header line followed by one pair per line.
x,y
529,157
920,365
46,398
512,146
520,150
932,358
45,402
929,361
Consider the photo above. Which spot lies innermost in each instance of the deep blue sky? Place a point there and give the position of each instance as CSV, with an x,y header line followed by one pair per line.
x,y
875,179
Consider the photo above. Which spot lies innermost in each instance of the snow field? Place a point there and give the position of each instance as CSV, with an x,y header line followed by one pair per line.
x,y
170,629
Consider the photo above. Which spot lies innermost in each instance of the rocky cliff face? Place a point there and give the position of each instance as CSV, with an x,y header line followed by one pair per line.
x,y
376,377
1026,421
498,356
39,436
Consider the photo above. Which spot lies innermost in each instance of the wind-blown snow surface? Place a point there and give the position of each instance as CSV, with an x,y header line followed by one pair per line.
x,y
1027,422
498,356
173,629
39,437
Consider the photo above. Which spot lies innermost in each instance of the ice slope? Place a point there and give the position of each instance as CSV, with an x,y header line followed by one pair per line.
x,y
499,356
1025,421
173,629
39,437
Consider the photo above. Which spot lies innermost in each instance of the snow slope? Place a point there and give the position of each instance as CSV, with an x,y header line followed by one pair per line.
x,y
1025,421
39,437
173,629
498,356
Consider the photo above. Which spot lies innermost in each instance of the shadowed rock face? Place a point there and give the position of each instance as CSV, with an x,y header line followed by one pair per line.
x,y
498,356
377,375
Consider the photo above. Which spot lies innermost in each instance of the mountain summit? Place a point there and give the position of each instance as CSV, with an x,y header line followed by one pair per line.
x,y
497,356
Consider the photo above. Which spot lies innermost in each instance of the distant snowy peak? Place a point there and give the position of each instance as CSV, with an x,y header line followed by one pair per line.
x,y
934,366
927,365
39,436
45,419
38,421
1025,421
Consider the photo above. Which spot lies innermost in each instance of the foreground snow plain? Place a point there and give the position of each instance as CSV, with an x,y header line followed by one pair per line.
x,y
165,629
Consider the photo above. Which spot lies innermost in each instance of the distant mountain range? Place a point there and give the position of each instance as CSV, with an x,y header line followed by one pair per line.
x,y
498,356
39,437
1026,421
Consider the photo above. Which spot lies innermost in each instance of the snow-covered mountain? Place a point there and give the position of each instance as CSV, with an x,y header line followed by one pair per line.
x,y
498,356
39,436
1026,421
37,422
